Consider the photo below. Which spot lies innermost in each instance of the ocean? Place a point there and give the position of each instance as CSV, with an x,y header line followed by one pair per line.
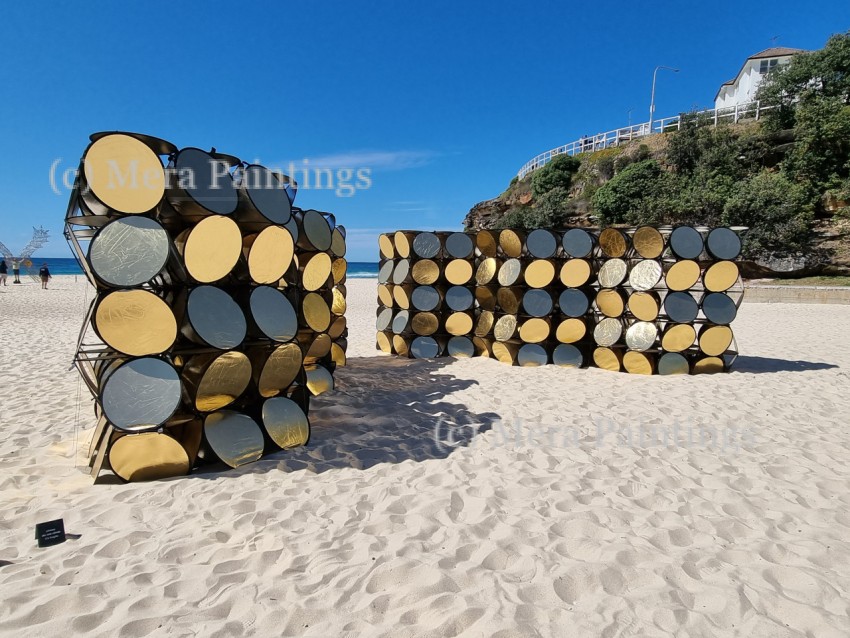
x,y
69,266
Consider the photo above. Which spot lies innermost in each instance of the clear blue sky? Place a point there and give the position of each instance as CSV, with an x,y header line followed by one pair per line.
x,y
443,100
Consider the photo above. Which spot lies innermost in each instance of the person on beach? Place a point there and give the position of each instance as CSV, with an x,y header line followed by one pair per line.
x,y
4,270
16,271
44,274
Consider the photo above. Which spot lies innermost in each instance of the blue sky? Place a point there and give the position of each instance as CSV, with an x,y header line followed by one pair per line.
x,y
443,101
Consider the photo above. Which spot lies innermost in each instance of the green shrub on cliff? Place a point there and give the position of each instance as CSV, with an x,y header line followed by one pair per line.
x,y
556,174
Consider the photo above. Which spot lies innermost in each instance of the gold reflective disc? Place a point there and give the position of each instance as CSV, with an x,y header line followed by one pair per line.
x,y
135,322
402,244
386,246
708,365
505,352
644,306
534,330
678,337
610,303
641,335
510,241
458,271
575,273
673,363
400,297
317,271
612,273
682,275
279,370
571,331
485,298
400,345
721,276
482,347
459,323
212,248
645,274
385,295
509,272
316,312
715,340
486,271
426,272
285,422
339,267
540,273
319,380
235,438
124,173
338,243
224,380
485,322
505,327
338,305
485,241
637,363
608,332
337,328
612,242
648,242
383,342
424,323
270,255
606,359
509,299
148,457
320,347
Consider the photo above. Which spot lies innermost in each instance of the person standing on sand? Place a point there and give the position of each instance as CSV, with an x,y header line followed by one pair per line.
x,y
4,270
44,273
16,271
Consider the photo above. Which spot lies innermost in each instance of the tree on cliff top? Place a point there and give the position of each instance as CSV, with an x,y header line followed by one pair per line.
x,y
557,173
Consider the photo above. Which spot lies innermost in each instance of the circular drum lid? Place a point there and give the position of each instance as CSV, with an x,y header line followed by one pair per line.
x,y
641,335
608,332
577,243
148,457
124,174
274,315
459,245
317,230
457,298
648,242
425,272
682,275
459,324
686,242
135,322
206,180
575,272
721,276
385,272
567,356
280,369
158,145
681,307
458,272
486,271
723,243
644,305
385,244
426,245
317,272
213,246
400,322
401,271
637,363
645,274
216,317
424,323
532,355
573,302
571,330
460,347
607,359
385,319
285,422
234,437
673,363
613,243
535,330
425,298
267,193
424,348
224,381
537,303
719,308
129,251
612,273
141,394
270,255
541,243
539,273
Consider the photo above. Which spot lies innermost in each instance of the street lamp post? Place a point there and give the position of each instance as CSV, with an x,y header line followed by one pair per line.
x,y
652,98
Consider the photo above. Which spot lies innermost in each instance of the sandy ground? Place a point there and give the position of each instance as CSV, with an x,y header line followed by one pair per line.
x,y
443,498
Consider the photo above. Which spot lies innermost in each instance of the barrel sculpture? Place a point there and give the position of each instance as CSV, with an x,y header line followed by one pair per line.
x,y
643,300
219,306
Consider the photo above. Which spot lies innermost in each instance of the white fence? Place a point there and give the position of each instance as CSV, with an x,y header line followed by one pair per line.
x,y
587,144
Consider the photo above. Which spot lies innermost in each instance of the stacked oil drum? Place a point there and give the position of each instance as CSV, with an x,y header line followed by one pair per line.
x,y
643,300
218,309
426,294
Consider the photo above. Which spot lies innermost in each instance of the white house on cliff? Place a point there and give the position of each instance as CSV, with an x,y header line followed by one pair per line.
x,y
743,87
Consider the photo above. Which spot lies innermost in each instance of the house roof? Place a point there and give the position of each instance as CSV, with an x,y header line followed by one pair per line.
x,y
772,52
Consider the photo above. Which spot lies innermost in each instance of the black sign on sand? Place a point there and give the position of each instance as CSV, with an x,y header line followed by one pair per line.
x,y
50,533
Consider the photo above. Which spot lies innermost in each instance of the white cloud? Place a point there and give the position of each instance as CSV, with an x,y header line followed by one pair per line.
x,y
375,160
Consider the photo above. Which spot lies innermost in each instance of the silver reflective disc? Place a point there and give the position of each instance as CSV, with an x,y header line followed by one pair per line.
x,y
577,243
612,273
509,272
459,298
129,251
460,347
719,308
215,317
537,303
267,193
386,271
425,298
681,307
641,335
401,271
567,356
424,348
541,243
141,394
686,242
532,355
426,245
459,245
234,437
608,331
645,274
573,302
723,243
273,313
400,321
206,180
673,363
317,230
385,319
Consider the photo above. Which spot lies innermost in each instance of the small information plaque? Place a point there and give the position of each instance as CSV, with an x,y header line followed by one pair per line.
x,y
50,533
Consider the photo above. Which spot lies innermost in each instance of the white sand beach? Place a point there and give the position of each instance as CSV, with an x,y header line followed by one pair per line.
x,y
450,497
